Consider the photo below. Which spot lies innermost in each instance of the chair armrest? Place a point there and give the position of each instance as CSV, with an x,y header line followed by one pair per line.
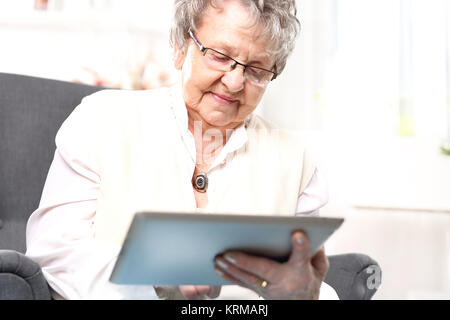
x,y
354,276
21,278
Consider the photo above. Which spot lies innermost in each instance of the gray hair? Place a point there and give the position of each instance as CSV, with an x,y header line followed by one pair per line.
x,y
277,16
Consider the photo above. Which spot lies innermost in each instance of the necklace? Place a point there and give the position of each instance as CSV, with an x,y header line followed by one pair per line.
x,y
200,180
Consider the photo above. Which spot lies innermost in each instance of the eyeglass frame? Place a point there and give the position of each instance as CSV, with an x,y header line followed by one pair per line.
x,y
204,49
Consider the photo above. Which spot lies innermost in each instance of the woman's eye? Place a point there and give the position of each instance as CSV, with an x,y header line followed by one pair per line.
x,y
254,72
220,58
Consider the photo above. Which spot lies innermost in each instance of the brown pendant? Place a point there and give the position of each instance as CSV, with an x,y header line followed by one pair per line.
x,y
200,182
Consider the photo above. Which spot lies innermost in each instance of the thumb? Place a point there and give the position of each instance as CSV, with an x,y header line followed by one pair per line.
x,y
300,254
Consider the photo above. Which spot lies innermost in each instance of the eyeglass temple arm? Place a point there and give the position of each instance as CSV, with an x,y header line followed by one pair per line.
x,y
275,73
199,45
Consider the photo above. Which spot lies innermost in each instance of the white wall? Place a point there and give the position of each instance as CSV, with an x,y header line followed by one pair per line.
x,y
343,86
117,41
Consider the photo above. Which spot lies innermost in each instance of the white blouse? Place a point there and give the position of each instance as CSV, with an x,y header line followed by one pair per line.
x,y
60,234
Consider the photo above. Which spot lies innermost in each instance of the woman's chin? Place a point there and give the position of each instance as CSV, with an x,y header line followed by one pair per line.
x,y
219,120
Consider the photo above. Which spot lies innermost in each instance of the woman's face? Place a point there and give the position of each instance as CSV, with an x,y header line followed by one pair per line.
x,y
223,99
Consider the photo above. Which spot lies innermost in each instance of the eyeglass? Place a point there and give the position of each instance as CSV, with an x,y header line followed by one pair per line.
x,y
221,62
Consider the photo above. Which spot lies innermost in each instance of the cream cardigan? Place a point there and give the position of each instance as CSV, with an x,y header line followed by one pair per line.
x,y
272,167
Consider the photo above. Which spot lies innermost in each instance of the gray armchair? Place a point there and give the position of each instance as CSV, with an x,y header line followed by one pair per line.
x,y
31,111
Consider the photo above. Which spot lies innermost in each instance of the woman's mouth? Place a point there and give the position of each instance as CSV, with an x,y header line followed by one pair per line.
x,y
223,99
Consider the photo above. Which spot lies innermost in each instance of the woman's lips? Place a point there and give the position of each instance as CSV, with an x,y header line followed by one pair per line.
x,y
223,99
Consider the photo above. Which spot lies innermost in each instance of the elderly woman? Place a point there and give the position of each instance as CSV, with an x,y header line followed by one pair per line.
x,y
193,147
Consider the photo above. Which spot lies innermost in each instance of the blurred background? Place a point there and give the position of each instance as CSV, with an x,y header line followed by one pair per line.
x,y
368,86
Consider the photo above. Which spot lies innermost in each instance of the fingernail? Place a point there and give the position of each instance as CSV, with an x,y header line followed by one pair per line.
x,y
231,257
222,264
220,273
298,239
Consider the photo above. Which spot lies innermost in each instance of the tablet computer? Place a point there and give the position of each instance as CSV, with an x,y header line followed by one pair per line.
x,y
179,248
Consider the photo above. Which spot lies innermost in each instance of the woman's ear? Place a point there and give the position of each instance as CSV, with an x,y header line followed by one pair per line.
x,y
179,57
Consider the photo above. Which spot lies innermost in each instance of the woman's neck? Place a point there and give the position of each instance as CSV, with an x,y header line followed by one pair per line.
x,y
209,140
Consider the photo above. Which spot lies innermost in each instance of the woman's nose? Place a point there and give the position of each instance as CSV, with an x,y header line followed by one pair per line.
x,y
234,79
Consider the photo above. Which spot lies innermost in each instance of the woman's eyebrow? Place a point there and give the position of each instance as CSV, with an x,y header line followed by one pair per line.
x,y
231,51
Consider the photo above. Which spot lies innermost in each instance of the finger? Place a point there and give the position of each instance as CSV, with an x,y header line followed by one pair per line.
x,y
300,254
260,267
214,291
198,291
228,277
248,280
320,263
188,291
203,290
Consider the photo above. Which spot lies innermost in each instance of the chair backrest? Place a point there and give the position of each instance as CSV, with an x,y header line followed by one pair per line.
x,y
31,112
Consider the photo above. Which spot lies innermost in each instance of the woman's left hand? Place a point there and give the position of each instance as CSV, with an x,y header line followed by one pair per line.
x,y
199,292
299,278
